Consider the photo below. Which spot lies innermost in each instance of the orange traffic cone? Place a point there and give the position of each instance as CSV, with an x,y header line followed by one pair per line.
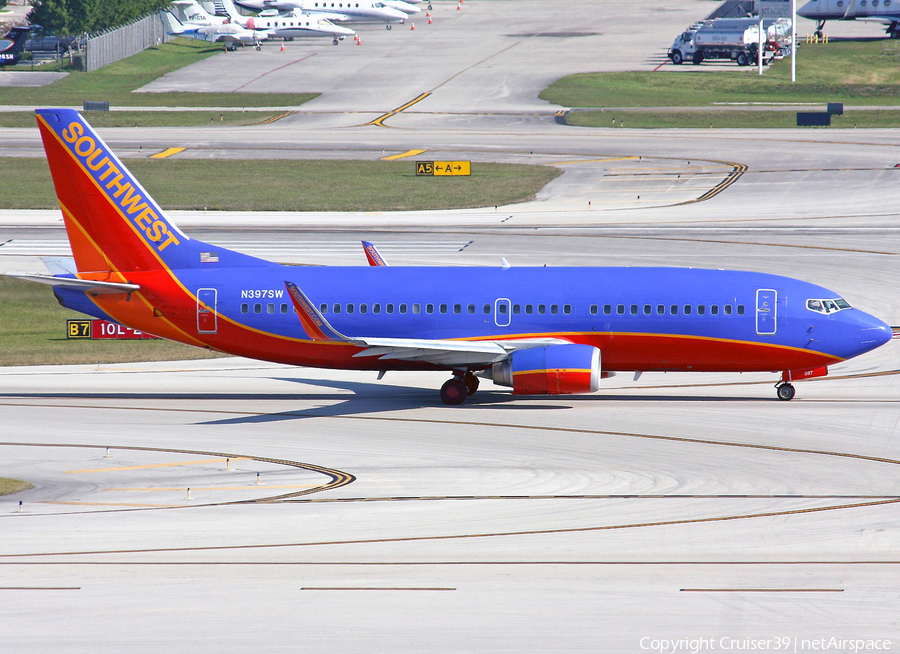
x,y
282,47
458,6
429,20
412,26
427,14
358,40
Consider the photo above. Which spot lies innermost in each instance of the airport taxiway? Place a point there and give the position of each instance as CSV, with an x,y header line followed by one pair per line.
x,y
672,507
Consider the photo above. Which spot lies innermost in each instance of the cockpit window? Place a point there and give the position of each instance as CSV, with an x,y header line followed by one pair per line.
x,y
827,306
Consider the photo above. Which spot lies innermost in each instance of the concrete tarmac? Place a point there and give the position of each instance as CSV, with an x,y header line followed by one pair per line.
x,y
331,511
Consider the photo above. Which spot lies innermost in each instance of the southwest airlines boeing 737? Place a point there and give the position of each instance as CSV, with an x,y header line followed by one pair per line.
x,y
537,330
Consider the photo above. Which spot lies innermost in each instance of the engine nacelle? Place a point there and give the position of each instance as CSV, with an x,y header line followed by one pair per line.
x,y
550,370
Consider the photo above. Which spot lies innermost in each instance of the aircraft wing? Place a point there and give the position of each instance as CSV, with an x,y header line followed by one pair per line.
x,y
440,352
86,285
880,19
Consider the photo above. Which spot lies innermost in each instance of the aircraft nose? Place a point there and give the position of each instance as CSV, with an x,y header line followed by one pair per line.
x,y
810,9
873,332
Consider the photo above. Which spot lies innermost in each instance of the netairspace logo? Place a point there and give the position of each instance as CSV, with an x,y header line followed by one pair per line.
x,y
781,644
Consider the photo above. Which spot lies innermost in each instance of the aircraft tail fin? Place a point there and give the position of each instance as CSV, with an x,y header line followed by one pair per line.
x,y
112,222
171,24
373,256
14,41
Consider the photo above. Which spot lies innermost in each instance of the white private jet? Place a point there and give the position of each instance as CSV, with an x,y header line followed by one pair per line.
x,y
227,33
879,11
190,12
339,11
285,25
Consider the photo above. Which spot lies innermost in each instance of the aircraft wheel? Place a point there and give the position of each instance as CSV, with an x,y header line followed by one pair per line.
x,y
786,392
429,6
819,33
453,392
388,26
258,48
471,382
335,42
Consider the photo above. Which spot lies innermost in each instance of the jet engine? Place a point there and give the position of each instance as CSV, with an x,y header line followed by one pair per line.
x,y
550,370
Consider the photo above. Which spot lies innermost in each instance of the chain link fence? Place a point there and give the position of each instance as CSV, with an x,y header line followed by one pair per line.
x,y
98,50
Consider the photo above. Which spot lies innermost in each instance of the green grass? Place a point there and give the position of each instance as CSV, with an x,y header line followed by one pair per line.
x,y
114,83
33,332
150,118
262,185
853,72
723,119
11,486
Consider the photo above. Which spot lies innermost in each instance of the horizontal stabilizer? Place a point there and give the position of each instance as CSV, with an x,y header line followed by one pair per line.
x,y
86,285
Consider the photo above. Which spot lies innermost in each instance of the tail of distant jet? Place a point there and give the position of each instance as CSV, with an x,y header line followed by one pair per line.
x,y
171,24
112,222
12,44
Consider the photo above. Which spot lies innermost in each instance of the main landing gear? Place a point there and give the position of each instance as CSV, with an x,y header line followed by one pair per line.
x,y
785,391
456,390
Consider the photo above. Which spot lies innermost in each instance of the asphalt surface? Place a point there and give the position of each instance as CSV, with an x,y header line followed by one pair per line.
x,y
672,507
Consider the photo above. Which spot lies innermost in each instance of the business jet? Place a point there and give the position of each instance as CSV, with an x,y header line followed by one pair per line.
x,y
12,43
189,12
339,11
879,11
540,331
287,25
228,33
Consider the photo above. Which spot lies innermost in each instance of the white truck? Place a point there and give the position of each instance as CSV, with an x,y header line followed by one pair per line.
x,y
734,39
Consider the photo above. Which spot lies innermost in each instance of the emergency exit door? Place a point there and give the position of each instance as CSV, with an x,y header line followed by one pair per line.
x,y
766,310
206,311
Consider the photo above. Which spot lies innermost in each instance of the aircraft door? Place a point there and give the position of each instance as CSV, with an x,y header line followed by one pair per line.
x,y
501,312
766,310
206,311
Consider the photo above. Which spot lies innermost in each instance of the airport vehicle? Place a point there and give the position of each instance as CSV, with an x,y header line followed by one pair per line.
x,y
12,44
287,25
734,39
228,33
539,330
883,11
339,11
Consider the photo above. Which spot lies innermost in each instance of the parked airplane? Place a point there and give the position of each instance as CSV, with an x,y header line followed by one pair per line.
x,y
12,43
287,25
539,330
886,11
227,33
191,13
340,11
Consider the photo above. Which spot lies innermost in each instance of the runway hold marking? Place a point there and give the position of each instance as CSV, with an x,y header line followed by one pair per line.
x,y
272,119
380,120
762,590
738,169
153,465
388,588
168,152
408,153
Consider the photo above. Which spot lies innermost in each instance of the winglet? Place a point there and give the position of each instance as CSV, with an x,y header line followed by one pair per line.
x,y
373,255
315,325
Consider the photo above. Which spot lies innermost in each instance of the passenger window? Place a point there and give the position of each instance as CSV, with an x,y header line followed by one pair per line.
x,y
673,309
620,309
471,308
607,309
486,309
687,309
376,308
714,309
701,309
417,308
336,308
740,310
429,308
389,308
245,308
457,308
542,309
567,309
257,308
501,309
593,309
647,309
403,308
517,308
554,309
349,308
634,309
270,308
284,308
323,309
443,308
727,309
529,309
661,309
363,308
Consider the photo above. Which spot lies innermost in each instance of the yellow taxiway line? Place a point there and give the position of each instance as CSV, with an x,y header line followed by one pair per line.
x,y
211,488
168,152
408,153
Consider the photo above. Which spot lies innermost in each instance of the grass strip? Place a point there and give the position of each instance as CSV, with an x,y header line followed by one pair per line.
x,y
114,83
725,119
151,118
12,486
33,333
279,185
853,72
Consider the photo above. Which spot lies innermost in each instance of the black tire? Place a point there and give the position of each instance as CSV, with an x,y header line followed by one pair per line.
x,y
742,59
677,58
335,42
471,382
697,58
819,33
453,392
388,26
786,392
